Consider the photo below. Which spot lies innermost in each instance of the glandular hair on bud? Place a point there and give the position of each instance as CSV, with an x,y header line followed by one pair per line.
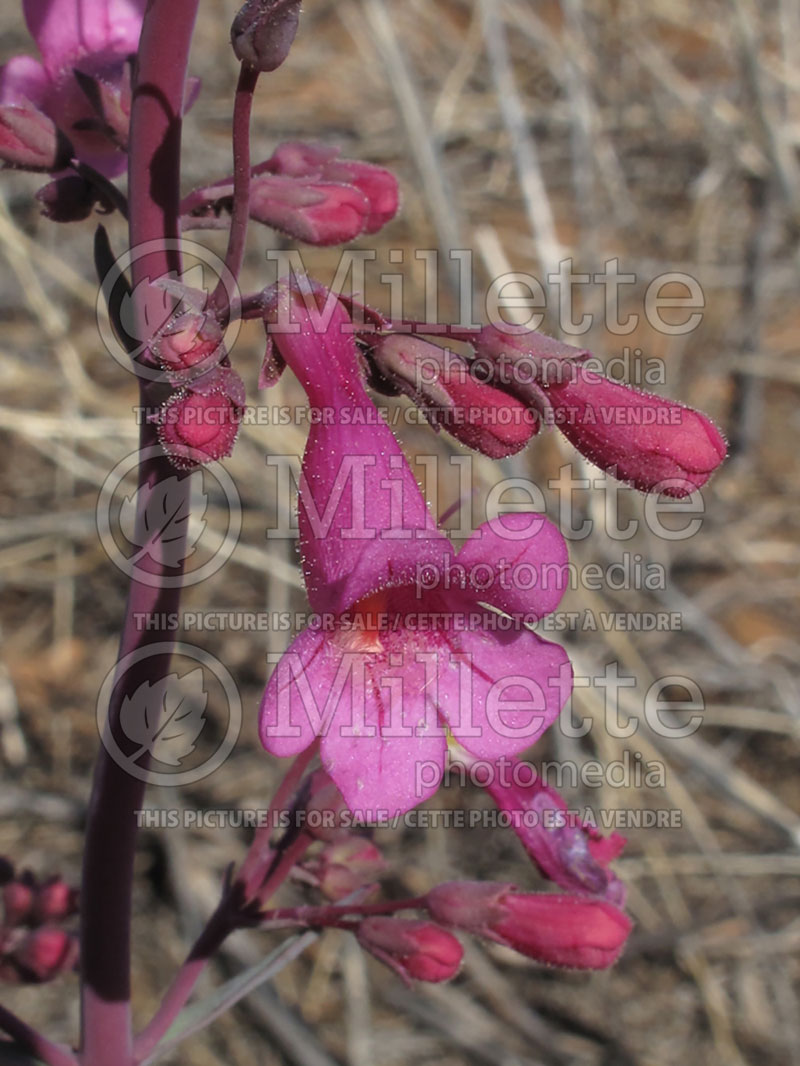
x,y
263,31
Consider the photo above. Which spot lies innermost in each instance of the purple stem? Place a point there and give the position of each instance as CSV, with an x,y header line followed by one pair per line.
x,y
154,174
243,105
34,1043
222,922
260,853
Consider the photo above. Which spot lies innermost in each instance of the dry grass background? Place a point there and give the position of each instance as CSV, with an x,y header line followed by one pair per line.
x,y
663,133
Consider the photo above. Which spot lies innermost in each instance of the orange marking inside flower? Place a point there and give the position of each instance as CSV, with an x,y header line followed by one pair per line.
x,y
361,626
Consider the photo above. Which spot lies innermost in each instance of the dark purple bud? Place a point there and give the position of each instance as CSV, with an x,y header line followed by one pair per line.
x,y
71,199
263,31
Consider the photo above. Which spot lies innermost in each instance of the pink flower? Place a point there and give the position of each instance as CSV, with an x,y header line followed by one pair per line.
x,y
405,647
82,83
307,192
572,931
653,443
566,851
414,949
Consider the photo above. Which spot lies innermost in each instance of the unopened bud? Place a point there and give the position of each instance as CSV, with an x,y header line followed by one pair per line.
x,y
46,953
644,439
439,381
263,31
199,424
347,865
18,900
414,949
571,931
29,139
55,901
192,341
70,199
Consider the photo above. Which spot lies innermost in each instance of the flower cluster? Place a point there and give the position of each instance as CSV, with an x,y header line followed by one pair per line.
x,y
307,192
654,444
33,945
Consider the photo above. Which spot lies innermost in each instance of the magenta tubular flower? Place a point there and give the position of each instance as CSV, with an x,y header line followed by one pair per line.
x,y
82,83
653,443
571,931
572,855
307,192
405,647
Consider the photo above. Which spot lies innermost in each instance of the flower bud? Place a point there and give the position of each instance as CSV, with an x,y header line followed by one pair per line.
x,y
71,199
321,213
45,953
200,423
572,931
301,159
29,139
650,442
440,382
573,855
55,901
307,192
190,342
416,950
346,865
263,31
18,899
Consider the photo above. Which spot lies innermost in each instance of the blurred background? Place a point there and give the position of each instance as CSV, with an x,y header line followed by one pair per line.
x,y
661,134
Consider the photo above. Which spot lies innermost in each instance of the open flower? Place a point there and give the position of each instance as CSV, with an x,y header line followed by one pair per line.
x,y
82,85
406,648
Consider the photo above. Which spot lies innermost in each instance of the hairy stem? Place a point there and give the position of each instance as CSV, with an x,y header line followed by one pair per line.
x,y
243,105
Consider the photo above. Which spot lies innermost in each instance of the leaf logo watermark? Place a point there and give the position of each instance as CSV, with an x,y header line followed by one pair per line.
x,y
165,521
169,528
166,718
160,735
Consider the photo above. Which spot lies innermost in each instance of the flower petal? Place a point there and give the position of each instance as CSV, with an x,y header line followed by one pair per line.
x,y
68,30
23,81
363,521
294,700
384,746
517,563
502,688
